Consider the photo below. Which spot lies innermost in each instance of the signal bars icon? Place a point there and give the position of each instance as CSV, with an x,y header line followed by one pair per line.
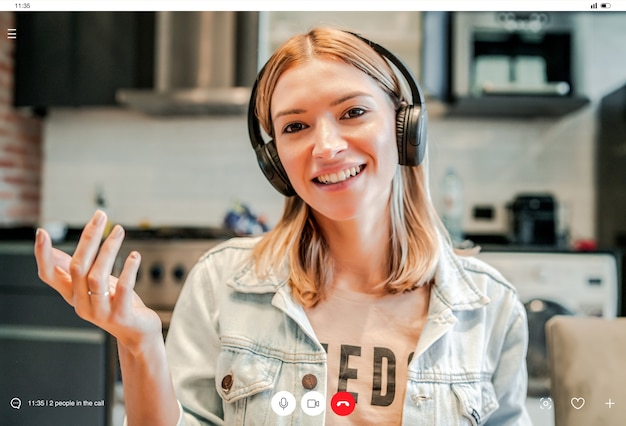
x,y
12,33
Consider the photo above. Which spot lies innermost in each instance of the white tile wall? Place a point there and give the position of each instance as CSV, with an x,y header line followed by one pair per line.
x,y
188,171
172,171
498,159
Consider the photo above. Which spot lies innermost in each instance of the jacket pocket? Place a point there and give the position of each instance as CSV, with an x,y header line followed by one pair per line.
x,y
244,381
477,401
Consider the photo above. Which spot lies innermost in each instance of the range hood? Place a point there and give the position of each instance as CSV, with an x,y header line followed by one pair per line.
x,y
205,64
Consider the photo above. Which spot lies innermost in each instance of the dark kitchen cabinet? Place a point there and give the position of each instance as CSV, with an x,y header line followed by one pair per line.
x,y
610,158
610,179
81,58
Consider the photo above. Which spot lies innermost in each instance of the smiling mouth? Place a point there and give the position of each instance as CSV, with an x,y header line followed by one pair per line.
x,y
342,176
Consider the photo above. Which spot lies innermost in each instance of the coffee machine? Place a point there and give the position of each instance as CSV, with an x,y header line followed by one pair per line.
x,y
533,219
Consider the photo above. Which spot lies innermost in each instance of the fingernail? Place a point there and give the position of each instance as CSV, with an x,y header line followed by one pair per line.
x,y
134,255
98,217
117,231
38,236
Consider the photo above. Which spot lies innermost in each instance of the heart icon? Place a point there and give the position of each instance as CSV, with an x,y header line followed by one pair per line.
x,y
577,403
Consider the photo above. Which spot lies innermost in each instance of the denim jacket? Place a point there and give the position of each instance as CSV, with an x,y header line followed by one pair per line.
x,y
235,340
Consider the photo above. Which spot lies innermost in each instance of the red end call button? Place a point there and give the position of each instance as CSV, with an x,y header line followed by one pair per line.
x,y
342,403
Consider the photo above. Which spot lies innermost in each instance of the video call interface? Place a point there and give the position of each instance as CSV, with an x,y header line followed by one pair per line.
x,y
58,370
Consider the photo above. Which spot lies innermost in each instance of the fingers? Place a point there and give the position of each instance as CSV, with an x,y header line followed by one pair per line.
x,y
98,275
61,259
48,259
61,276
84,256
126,283
43,256
98,286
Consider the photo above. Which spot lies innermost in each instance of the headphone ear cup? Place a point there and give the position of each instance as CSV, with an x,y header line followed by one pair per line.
x,y
411,131
272,168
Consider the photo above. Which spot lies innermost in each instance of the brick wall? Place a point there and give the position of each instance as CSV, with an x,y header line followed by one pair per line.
x,y
20,144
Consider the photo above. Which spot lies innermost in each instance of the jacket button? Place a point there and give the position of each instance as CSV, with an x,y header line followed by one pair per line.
x,y
227,382
309,381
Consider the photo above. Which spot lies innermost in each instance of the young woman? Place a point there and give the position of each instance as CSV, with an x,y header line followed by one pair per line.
x,y
355,301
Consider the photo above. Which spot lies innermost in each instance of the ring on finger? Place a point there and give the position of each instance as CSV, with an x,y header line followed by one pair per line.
x,y
93,293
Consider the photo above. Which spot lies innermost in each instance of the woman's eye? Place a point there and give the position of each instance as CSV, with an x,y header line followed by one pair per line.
x,y
354,112
293,127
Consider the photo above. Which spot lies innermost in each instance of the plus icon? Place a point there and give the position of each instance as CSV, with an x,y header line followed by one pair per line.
x,y
609,403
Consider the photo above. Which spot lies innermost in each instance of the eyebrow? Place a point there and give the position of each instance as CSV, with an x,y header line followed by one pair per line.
x,y
336,102
288,112
349,96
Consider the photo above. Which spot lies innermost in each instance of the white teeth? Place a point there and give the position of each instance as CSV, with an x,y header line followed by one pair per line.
x,y
339,177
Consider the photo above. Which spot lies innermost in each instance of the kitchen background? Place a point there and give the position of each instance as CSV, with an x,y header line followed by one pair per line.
x,y
68,145
190,170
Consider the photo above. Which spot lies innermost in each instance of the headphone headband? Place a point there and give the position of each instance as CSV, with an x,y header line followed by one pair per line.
x,y
409,77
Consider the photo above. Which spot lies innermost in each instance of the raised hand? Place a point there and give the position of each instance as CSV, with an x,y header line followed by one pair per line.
x,y
85,282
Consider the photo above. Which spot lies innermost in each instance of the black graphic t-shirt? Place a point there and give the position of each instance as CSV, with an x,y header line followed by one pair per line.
x,y
370,341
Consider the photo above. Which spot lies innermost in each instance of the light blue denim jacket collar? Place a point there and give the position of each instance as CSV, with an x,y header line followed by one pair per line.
x,y
454,288
453,291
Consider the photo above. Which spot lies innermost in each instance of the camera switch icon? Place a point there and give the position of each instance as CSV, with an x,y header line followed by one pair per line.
x,y
545,403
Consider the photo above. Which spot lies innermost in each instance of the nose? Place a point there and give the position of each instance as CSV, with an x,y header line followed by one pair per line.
x,y
328,141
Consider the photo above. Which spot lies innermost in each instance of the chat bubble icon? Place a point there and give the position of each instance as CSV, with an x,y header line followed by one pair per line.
x,y
16,403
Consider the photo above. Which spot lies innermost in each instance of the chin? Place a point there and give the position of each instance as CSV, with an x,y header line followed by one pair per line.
x,y
340,213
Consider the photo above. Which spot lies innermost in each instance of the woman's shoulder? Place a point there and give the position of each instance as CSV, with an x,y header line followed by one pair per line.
x,y
502,293
485,275
224,258
486,280
232,249
485,290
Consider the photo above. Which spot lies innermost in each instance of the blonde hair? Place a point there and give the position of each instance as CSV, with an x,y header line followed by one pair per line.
x,y
415,226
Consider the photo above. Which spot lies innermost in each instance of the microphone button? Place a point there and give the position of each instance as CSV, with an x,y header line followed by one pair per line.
x,y
283,403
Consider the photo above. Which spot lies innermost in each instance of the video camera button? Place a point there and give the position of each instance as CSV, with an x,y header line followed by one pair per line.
x,y
313,403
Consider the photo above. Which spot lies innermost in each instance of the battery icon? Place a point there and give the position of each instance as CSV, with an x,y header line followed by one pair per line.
x,y
605,5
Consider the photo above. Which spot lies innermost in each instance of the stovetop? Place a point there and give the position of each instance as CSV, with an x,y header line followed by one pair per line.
x,y
182,233
27,233
166,233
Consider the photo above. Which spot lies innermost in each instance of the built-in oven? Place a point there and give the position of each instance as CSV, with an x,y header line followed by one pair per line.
x,y
513,63
513,53
55,369
165,264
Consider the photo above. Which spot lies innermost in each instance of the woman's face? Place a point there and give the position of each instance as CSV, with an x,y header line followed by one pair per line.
x,y
335,134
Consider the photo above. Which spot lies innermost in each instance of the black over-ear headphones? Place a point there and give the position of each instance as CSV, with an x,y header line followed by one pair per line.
x,y
411,128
